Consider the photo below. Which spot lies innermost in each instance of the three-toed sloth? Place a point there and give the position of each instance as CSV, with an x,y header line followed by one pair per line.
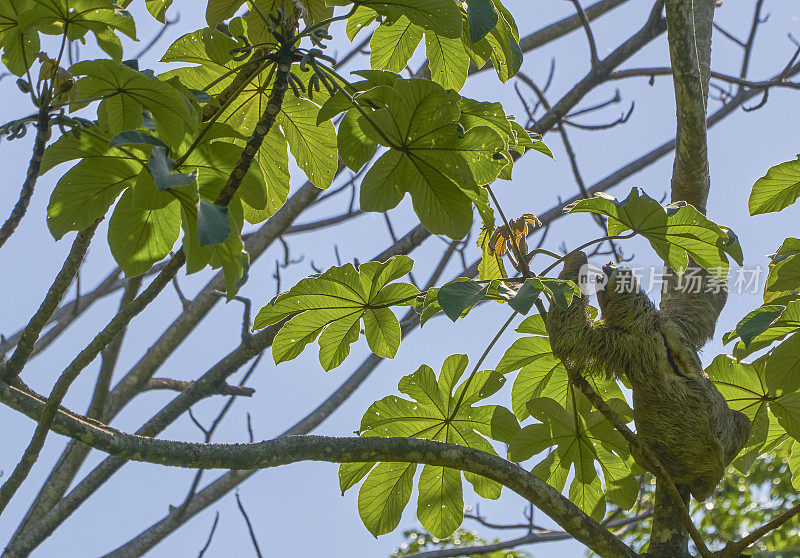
x,y
678,411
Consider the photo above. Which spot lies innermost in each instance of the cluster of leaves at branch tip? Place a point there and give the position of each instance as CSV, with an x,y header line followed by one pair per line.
x,y
149,149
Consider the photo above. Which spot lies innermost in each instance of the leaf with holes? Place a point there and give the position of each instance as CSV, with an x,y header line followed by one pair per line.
x,y
333,305
438,409
392,46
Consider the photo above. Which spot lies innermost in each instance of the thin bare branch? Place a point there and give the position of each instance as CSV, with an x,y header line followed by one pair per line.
x,y
182,385
593,59
27,340
250,529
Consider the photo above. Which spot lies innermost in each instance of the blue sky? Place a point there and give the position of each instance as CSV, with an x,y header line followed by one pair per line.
x,y
297,510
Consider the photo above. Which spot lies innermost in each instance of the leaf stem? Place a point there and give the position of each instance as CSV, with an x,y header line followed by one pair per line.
x,y
308,30
491,345
586,245
360,109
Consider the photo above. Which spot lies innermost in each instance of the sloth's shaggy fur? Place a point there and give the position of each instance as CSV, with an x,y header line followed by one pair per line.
x,y
678,411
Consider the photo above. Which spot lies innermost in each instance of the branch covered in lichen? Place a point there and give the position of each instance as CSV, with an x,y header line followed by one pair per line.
x,y
294,449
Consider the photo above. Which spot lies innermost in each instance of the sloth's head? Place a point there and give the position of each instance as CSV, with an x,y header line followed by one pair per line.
x,y
622,302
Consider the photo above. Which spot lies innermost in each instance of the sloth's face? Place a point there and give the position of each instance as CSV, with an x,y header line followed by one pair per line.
x,y
622,302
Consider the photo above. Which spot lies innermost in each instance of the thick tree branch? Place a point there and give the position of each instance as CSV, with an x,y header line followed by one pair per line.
x,y
294,449
65,469
530,538
71,372
145,540
689,25
198,389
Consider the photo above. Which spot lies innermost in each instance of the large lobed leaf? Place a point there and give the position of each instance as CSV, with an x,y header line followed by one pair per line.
x,y
333,305
675,232
582,437
438,409
432,158
768,397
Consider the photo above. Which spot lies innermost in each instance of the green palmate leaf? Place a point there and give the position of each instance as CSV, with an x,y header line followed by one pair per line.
x,y
784,276
477,113
782,370
361,19
127,93
438,409
582,436
744,386
779,188
313,146
393,45
228,255
366,92
526,296
754,324
517,139
440,16
86,192
92,145
482,19
541,373
210,49
218,11
332,305
384,496
500,45
449,62
215,162
141,234
784,271
794,465
158,8
355,147
762,328
212,223
18,38
431,157
273,161
134,137
460,295
561,291
522,352
76,18
675,233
